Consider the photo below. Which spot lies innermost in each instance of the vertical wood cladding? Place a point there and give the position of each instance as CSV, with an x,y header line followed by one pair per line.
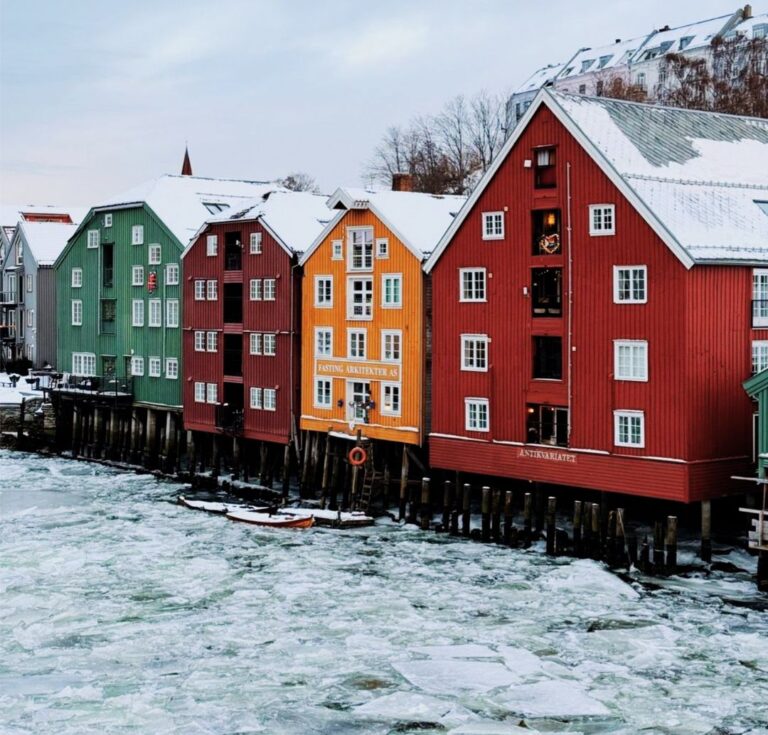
x,y
696,323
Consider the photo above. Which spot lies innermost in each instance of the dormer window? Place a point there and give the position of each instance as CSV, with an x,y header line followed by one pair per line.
x,y
544,168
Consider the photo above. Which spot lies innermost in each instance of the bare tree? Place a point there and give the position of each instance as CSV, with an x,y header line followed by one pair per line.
x,y
486,125
299,181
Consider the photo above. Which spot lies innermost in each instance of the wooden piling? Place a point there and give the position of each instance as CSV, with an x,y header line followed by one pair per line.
x,y
631,548
466,498
447,503
508,517
610,539
286,469
527,518
304,479
485,510
426,510
455,511
645,556
403,484
706,531
621,550
551,528
658,545
356,468
577,527
326,477
333,501
671,543
595,531
412,515
496,516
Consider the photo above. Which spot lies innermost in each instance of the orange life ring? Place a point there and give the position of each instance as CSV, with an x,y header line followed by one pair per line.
x,y
357,456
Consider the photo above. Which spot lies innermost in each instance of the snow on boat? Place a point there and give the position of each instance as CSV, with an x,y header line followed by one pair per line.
x,y
276,521
332,518
216,507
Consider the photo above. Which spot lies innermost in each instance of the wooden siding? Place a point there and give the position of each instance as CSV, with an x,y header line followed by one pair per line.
x,y
696,324
408,427
126,340
45,317
278,317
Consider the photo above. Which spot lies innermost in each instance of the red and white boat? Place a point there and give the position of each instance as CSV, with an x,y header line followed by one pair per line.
x,y
275,521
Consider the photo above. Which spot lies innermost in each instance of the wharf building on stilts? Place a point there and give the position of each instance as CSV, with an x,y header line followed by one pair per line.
x,y
365,338
600,299
242,302
119,304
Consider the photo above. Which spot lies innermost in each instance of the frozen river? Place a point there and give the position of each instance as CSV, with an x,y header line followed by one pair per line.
x,y
121,612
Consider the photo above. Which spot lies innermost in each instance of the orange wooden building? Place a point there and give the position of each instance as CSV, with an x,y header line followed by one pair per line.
x,y
364,314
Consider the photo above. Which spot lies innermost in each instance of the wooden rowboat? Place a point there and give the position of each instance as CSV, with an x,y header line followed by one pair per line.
x,y
273,521
217,507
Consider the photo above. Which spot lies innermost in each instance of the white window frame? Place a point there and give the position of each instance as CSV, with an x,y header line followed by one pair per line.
x,y
155,366
93,239
270,289
155,307
493,225
256,398
326,382
634,270
269,397
172,274
137,275
255,244
597,218
395,278
382,248
30,318
199,289
137,365
463,294
172,368
155,254
199,392
327,334
212,290
28,279
212,245
760,298
759,356
629,415
477,402
354,335
351,232
255,289
321,282
392,334
211,341
84,364
108,220
255,343
337,250
199,340
269,344
172,313
137,312
77,278
636,373
212,393
474,339
351,316
137,235
389,387
77,313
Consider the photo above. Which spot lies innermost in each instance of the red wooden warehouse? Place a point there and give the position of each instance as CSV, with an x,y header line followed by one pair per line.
x,y
242,298
600,299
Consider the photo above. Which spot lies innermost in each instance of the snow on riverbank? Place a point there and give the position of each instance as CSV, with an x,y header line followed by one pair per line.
x,y
11,396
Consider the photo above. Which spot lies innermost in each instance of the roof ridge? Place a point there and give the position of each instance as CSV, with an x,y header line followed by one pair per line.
x,y
694,182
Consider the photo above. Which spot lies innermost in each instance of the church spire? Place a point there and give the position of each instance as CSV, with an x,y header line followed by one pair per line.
x,y
186,168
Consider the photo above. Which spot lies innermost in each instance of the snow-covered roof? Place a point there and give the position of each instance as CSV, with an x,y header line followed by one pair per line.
x,y
10,214
683,38
180,201
757,25
46,240
539,78
601,58
294,218
698,178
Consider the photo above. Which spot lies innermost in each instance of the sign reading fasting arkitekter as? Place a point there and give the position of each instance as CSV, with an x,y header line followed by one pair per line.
x,y
358,370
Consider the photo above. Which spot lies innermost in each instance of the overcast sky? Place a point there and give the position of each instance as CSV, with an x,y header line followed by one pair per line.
x,y
98,96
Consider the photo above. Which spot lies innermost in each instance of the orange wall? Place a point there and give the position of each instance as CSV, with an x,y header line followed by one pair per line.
x,y
409,319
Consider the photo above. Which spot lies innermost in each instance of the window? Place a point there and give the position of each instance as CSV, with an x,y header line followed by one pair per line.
x,y
602,219
77,277
29,282
629,284
323,342
154,367
270,289
360,249
256,289
137,275
199,341
382,247
93,239
137,365
155,313
255,243
474,352
30,317
270,345
199,392
211,341
171,368
544,168
760,297
83,364
476,414
255,343
77,312
322,393
759,356
493,225
546,232
640,80
582,89
629,428
200,290
390,399
392,291
257,398
630,360
360,298
172,274
211,245
108,316
172,313
137,235
137,313
358,400
212,393
107,220
212,290
356,339
760,30
546,292
548,358
20,253
270,399
390,345
472,284
324,292
547,425
155,254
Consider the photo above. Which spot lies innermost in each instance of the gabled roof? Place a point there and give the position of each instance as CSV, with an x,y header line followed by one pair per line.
x,y
756,383
416,219
10,214
293,218
45,240
695,177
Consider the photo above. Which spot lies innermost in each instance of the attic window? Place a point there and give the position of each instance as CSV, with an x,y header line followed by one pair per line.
x,y
685,41
604,61
215,207
544,167
586,64
760,31
763,206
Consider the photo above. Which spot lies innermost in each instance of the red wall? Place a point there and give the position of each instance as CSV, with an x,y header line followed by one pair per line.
x,y
696,323
280,371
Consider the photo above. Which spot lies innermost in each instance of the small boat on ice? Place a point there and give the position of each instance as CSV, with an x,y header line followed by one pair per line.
x,y
216,507
282,520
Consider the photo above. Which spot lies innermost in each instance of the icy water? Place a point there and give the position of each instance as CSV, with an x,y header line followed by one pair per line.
x,y
121,612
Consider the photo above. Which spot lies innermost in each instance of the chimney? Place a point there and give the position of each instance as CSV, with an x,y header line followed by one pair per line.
x,y
665,28
746,14
186,167
402,182
618,40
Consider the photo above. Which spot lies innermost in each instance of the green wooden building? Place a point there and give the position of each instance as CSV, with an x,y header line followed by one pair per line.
x,y
757,389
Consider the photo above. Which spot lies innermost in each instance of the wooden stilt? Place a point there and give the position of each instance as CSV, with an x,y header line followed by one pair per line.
x,y
621,550
326,478
447,503
508,517
577,527
286,469
595,531
706,531
333,502
671,544
645,556
356,469
610,539
455,512
305,464
403,484
496,516
215,455
466,500
263,463
528,518
551,509
426,510
485,511
658,546
386,483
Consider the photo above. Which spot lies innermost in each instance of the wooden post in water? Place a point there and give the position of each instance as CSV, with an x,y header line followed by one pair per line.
x,y
485,510
527,518
263,463
658,546
610,539
577,527
551,529
508,517
496,516
466,499
236,453
426,510
326,478
455,512
412,516
333,503
671,543
447,501
305,464
621,551
645,555
385,486
706,531
595,531
403,485
356,470
286,468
